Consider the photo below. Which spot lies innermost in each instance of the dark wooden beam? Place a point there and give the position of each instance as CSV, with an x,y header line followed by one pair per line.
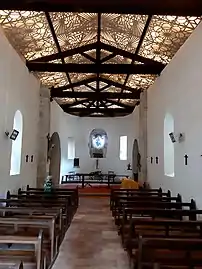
x,y
92,79
129,55
76,84
118,104
109,57
88,57
67,53
76,103
139,44
98,48
57,44
93,68
92,110
169,7
116,84
90,87
95,95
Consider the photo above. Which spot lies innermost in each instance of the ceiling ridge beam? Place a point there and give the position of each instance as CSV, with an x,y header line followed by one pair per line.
x,y
117,84
66,53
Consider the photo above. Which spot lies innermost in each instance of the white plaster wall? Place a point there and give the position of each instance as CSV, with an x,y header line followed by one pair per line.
x,y
80,128
178,91
19,90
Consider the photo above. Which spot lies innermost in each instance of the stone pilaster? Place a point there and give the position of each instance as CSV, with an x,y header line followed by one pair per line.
x,y
43,131
143,136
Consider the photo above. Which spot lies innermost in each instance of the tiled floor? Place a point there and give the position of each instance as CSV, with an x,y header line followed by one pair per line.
x,y
92,241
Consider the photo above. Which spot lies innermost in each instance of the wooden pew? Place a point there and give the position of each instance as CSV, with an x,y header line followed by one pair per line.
x,y
172,253
30,227
120,205
73,191
154,213
135,197
72,198
43,203
15,265
116,194
159,229
37,213
9,256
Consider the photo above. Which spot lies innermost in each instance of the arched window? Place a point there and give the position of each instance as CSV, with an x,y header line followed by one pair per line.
x,y
98,142
16,150
168,146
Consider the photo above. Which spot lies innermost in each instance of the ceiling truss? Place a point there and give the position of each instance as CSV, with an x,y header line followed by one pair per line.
x,y
97,64
97,100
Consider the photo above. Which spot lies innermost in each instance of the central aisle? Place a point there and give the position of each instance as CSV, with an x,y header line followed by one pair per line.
x,y
92,241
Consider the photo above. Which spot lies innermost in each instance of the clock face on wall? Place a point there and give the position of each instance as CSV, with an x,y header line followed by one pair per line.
x,y
98,142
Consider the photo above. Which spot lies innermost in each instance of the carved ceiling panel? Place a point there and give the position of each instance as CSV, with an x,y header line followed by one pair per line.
x,y
28,32
75,29
166,34
79,76
122,31
53,79
140,81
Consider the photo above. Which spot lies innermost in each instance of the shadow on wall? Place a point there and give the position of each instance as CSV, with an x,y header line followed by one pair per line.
x,y
55,157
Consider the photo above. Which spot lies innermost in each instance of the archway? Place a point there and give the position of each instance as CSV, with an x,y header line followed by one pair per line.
x,y
55,157
136,162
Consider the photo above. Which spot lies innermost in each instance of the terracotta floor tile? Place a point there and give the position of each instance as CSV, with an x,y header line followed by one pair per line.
x,y
92,241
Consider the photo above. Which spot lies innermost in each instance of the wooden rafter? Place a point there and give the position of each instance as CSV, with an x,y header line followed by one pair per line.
x,y
116,84
76,103
139,45
57,45
76,84
127,54
118,104
66,53
98,48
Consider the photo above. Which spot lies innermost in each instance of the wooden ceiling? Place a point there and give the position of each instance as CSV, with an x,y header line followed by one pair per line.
x,y
97,57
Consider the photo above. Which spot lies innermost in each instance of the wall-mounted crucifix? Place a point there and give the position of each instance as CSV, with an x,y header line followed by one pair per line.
x,y
157,160
186,159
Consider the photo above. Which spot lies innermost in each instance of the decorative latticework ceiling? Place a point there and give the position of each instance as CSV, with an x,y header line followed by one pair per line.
x,y
96,64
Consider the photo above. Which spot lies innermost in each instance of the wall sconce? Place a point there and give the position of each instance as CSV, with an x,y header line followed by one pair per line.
x,y
13,135
177,138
